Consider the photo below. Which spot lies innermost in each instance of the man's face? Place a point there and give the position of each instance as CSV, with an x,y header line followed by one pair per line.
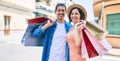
x,y
60,12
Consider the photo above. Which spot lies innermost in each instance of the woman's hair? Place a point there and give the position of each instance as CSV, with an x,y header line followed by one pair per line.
x,y
60,4
82,16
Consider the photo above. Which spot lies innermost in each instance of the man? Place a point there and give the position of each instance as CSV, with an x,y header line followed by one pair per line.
x,y
55,47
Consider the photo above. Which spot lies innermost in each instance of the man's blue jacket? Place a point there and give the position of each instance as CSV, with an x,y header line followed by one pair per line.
x,y
48,35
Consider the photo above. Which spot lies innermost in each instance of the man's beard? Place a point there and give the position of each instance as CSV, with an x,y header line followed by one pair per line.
x,y
61,17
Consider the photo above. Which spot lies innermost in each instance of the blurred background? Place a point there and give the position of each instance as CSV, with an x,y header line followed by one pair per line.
x,y
104,15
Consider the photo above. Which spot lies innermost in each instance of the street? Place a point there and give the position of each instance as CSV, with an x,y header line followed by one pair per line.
x,y
14,52
18,52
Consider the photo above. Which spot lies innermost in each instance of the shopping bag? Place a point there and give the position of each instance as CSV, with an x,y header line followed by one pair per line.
x,y
91,47
28,39
106,44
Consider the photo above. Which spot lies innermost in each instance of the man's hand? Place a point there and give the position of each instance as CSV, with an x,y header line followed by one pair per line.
x,y
48,24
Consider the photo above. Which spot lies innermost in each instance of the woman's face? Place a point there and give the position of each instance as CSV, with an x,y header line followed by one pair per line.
x,y
75,16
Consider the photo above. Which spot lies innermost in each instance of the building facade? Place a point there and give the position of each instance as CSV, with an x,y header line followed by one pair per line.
x,y
46,8
107,13
13,18
15,13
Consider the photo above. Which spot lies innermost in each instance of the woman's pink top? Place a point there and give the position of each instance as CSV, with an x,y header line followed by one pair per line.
x,y
75,51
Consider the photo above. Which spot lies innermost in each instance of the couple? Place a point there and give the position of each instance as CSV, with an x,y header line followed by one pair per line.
x,y
58,45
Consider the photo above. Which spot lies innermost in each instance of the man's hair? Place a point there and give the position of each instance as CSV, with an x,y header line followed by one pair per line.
x,y
60,4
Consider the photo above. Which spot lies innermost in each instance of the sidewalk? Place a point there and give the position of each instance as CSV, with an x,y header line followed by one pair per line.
x,y
114,52
112,55
18,52
106,58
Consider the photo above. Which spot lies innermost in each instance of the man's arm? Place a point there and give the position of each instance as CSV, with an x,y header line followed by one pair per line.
x,y
38,32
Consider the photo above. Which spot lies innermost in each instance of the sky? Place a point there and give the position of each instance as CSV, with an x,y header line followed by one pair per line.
x,y
88,5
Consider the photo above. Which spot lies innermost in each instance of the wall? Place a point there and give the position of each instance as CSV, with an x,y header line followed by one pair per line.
x,y
113,39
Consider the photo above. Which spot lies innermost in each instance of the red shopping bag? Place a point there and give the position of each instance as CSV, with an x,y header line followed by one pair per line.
x,y
91,47
38,20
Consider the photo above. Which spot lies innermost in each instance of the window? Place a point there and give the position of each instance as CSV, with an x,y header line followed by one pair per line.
x,y
39,15
38,1
113,24
71,0
7,25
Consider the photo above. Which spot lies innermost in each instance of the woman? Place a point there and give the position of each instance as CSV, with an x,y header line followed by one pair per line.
x,y
76,15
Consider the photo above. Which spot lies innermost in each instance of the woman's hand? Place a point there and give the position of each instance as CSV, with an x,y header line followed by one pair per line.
x,y
77,34
79,25
48,24
77,31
